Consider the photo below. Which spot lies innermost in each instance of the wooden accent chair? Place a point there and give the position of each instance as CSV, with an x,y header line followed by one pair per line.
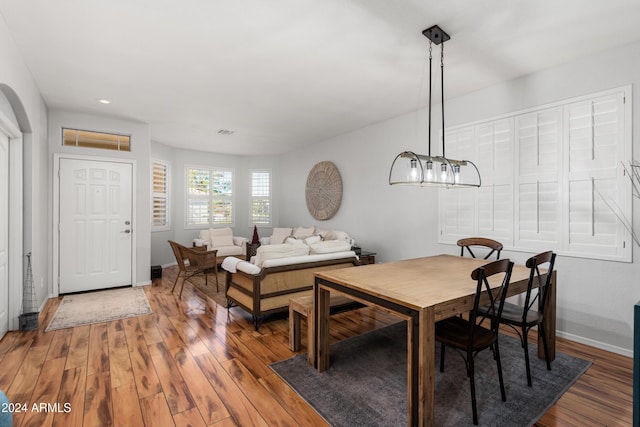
x,y
469,338
470,242
523,318
193,261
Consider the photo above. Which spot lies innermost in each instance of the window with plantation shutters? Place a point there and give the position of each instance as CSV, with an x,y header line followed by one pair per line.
x,y
553,178
261,198
209,197
160,195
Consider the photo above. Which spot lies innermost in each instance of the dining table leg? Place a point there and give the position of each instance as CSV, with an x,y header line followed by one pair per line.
x,y
549,320
421,369
321,299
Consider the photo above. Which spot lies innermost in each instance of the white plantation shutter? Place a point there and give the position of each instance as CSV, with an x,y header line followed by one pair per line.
x,y
458,206
160,191
495,197
539,150
553,178
595,180
209,197
261,198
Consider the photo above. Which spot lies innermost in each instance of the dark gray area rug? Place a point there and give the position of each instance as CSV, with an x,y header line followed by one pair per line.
x,y
366,384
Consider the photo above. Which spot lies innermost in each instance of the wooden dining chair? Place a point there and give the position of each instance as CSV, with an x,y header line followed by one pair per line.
x,y
483,242
523,318
470,338
193,261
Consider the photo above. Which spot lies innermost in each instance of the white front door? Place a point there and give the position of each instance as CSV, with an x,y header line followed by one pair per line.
x,y
4,234
95,236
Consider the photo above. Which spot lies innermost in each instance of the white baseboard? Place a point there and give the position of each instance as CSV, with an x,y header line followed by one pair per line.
x,y
171,264
145,283
596,344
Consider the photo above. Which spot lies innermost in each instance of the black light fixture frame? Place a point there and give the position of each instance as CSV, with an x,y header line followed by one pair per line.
x,y
437,36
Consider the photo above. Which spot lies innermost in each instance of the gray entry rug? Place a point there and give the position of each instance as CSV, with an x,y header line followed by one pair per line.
x,y
366,384
99,306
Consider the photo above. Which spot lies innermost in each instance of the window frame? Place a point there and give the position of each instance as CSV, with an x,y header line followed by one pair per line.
x,y
167,195
210,197
269,198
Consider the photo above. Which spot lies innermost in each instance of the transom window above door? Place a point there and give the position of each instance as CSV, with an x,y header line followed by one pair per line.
x,y
90,139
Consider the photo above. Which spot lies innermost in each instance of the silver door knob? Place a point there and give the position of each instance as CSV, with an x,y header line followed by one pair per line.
x,y
126,231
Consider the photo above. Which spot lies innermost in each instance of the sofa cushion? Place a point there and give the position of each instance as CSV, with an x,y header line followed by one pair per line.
x,y
219,237
279,234
329,246
302,232
294,241
229,250
312,239
279,251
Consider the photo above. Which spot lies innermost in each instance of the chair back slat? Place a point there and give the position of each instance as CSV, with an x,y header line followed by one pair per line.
x,y
469,242
177,252
543,280
496,295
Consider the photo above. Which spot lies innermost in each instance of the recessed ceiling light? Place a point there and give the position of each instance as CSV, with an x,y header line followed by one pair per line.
x,y
104,101
225,132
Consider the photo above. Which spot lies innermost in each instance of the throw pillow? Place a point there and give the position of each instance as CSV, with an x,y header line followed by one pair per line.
x,y
302,232
279,234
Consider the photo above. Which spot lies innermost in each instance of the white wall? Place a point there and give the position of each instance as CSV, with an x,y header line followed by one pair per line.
x,y
595,298
140,151
178,159
30,114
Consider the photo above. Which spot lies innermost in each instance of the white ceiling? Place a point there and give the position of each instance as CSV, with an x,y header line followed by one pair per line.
x,y
286,73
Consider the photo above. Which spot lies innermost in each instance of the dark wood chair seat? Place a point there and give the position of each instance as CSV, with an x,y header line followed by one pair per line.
x,y
454,332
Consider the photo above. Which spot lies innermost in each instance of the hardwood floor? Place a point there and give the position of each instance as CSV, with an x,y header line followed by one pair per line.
x,y
192,363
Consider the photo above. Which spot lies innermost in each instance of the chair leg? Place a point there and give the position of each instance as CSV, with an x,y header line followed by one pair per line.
x,y
503,394
441,357
215,271
525,345
175,282
543,334
182,287
472,384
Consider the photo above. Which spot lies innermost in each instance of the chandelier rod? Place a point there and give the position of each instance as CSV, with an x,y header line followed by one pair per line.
x,y
442,91
429,134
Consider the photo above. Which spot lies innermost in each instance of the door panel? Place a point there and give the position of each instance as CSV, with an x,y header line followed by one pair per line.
x,y
4,234
95,241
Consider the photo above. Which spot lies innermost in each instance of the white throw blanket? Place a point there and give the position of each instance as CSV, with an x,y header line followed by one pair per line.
x,y
230,263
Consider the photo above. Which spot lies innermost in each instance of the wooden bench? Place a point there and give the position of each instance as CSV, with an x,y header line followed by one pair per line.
x,y
303,306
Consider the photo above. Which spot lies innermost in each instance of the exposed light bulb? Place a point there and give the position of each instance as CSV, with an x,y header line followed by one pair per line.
x,y
429,170
443,172
414,170
456,174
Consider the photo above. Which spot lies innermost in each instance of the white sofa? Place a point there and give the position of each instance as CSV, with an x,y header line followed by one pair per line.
x,y
279,235
282,271
222,240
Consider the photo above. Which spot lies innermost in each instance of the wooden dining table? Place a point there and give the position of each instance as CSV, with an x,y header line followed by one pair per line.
x,y
421,291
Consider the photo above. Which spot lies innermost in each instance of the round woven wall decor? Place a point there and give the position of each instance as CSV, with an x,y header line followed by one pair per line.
x,y
324,190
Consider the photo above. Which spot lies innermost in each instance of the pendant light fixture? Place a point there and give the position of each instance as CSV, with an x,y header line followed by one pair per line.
x,y
409,168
